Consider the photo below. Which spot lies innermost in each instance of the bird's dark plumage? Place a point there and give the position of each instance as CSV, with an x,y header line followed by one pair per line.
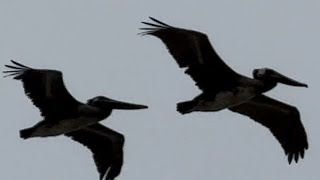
x,y
281,119
106,146
46,90
193,50
224,88
63,114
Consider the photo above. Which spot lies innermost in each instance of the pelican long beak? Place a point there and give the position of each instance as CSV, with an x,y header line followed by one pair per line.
x,y
286,80
114,104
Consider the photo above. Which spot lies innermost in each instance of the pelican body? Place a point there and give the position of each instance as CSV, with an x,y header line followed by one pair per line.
x,y
64,115
223,88
243,90
95,110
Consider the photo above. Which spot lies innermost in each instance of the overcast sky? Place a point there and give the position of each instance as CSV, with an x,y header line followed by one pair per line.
x,y
95,44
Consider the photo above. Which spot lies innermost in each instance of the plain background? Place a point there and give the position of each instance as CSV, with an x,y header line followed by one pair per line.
x,y
95,44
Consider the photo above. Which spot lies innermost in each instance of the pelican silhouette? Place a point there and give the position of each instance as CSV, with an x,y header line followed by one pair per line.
x,y
63,114
223,88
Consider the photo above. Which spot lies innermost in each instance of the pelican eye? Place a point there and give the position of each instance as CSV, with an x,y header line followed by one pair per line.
x,y
261,72
93,100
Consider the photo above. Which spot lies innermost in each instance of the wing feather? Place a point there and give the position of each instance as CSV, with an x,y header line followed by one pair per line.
x,y
193,50
281,119
106,146
46,90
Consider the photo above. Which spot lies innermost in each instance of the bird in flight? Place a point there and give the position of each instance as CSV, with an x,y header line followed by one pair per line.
x,y
223,88
64,115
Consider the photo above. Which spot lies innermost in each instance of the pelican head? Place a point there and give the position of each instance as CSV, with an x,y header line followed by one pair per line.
x,y
104,102
271,76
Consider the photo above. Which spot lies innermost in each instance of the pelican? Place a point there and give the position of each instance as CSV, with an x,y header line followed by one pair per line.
x,y
223,88
63,114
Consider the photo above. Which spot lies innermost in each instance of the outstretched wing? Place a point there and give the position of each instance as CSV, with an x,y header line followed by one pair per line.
x,y
192,49
282,120
106,146
46,90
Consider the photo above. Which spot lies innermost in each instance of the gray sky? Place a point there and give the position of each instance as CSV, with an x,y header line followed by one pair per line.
x,y
95,44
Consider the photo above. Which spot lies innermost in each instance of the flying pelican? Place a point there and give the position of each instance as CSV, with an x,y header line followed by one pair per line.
x,y
224,88
63,114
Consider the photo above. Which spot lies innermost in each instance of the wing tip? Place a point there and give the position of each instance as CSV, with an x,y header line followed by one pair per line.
x,y
154,26
19,64
16,70
295,156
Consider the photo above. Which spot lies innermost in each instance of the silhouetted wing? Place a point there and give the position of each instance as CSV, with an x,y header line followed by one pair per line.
x,y
193,50
46,90
282,119
106,146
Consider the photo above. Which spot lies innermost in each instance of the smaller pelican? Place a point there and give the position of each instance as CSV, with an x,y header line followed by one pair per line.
x,y
63,114
223,88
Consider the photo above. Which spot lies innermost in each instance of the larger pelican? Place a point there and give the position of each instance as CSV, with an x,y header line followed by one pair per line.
x,y
224,88
63,114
